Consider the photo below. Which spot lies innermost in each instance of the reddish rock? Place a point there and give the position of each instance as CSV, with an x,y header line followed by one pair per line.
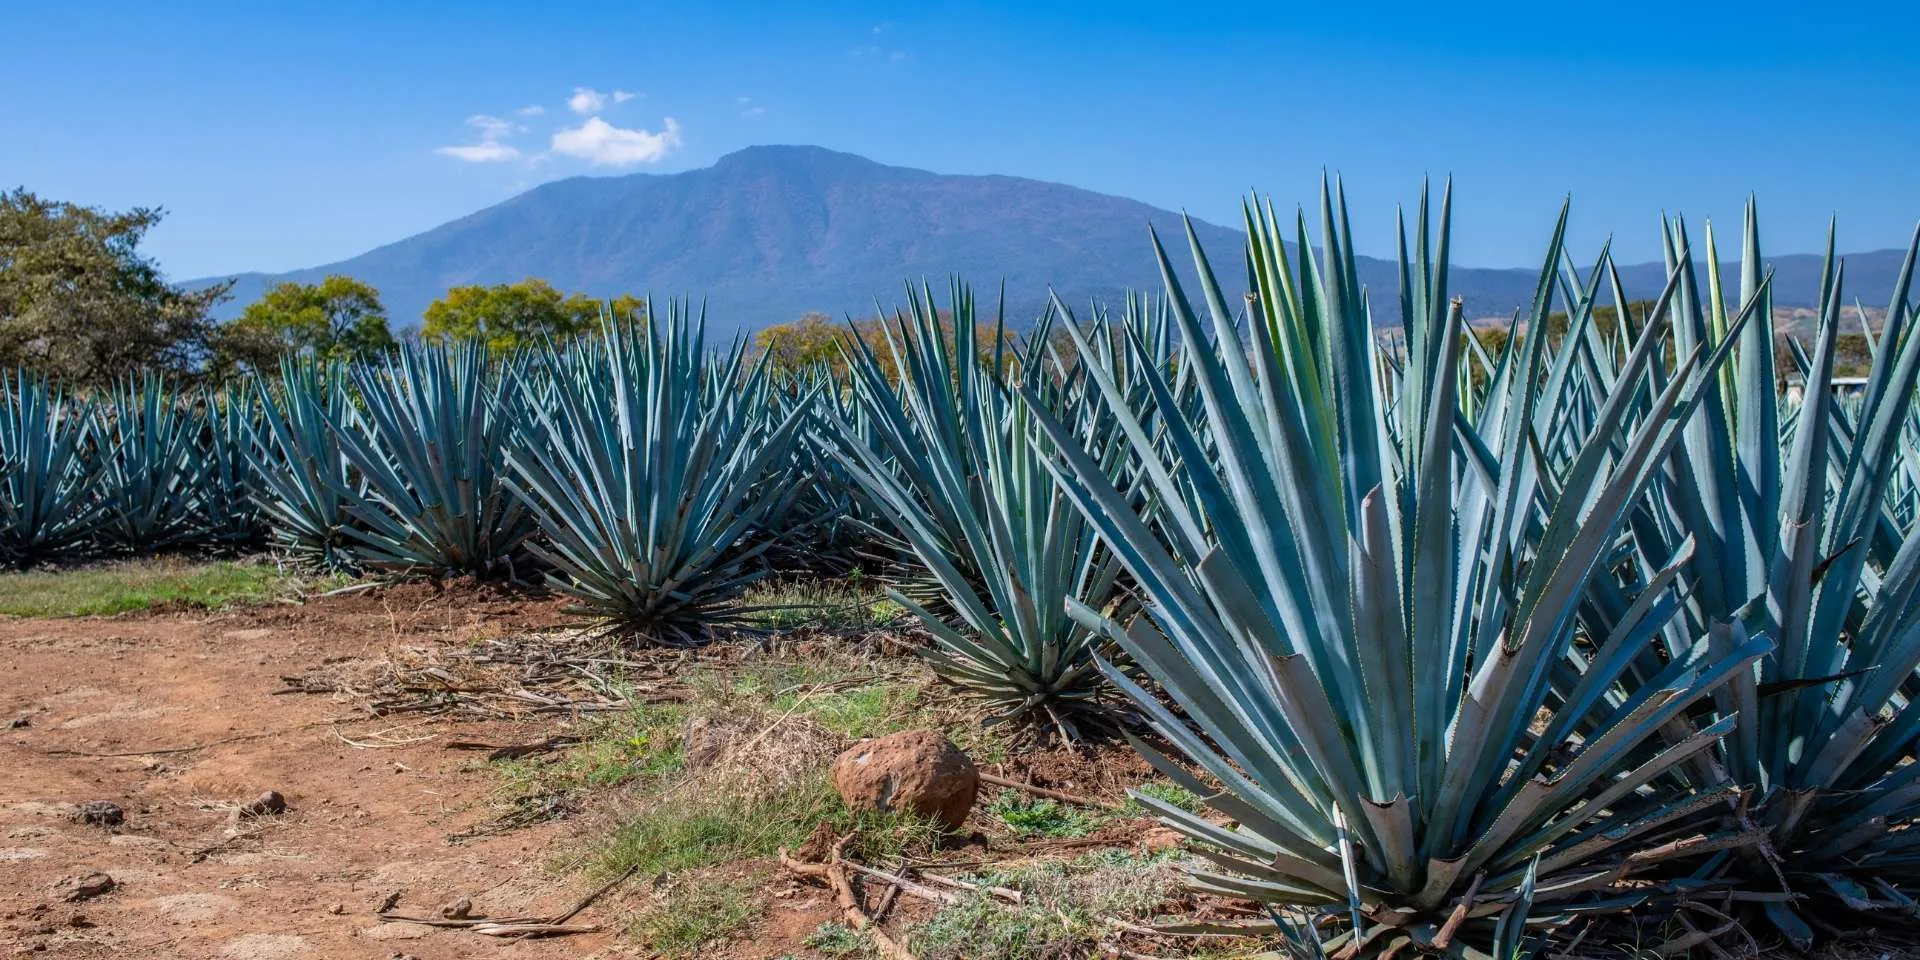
x,y
917,771
84,887
1160,839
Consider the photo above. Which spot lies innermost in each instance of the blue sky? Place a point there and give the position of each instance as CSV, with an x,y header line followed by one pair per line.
x,y
289,134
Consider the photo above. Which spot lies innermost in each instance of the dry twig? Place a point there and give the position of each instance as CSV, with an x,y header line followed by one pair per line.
x,y
1043,792
834,872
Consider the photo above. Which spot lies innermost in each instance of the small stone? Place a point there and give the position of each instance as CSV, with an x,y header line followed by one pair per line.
x,y
917,771
20,723
102,813
1160,840
337,909
269,804
459,909
83,887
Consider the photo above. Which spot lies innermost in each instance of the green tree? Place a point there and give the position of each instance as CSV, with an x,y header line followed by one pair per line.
x,y
513,316
338,318
817,340
79,301
813,340
628,307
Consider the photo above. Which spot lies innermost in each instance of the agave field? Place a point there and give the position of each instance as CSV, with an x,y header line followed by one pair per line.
x,y
1467,650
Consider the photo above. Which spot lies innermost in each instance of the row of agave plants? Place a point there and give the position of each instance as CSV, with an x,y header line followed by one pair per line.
x,y
1460,647
639,470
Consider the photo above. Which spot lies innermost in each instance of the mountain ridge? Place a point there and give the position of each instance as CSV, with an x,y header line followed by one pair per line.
x,y
770,232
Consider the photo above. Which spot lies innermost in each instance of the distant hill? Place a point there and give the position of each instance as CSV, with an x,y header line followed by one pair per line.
x,y
768,233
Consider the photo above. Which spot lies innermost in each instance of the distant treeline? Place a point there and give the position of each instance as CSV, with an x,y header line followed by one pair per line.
x,y
1853,356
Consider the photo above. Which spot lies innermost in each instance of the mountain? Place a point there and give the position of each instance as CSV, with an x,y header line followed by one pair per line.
x,y
768,233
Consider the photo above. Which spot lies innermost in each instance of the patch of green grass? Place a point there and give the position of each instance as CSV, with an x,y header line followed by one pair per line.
x,y
644,750
645,743
979,926
852,606
838,940
1029,817
762,681
853,697
644,746
869,711
1165,791
1062,913
700,912
685,830
140,585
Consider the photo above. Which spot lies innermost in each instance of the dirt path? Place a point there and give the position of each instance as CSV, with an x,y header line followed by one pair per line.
x,y
362,824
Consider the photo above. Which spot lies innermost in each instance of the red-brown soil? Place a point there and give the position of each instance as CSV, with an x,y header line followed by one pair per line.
x,y
174,718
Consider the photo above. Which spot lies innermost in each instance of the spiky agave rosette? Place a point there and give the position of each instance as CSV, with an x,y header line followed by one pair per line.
x,y
1364,607
228,516
655,468
49,508
153,467
305,482
431,438
951,461
1793,534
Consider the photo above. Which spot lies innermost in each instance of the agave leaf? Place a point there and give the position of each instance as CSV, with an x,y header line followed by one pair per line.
x,y
431,438
48,504
305,482
1359,629
957,474
656,472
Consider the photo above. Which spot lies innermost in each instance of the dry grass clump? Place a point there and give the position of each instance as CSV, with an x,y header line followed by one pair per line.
x,y
1066,910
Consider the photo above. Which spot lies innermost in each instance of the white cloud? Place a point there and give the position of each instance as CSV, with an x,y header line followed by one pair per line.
x,y
749,109
589,101
605,145
489,149
531,110
493,128
586,100
484,152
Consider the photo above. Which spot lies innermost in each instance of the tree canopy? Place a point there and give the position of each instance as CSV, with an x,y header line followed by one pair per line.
x,y
339,318
813,340
512,316
817,341
79,302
